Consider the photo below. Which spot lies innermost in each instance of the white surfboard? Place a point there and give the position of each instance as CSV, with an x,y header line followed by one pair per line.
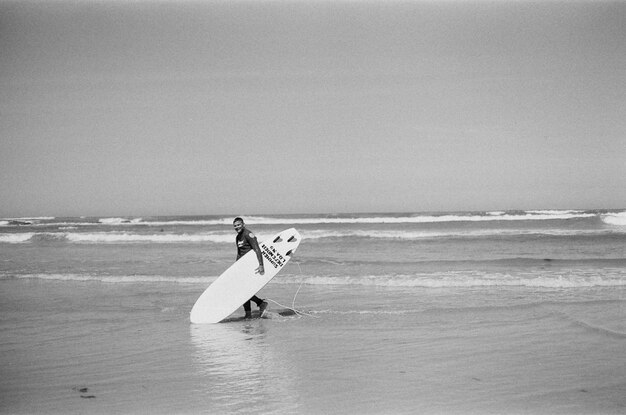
x,y
240,282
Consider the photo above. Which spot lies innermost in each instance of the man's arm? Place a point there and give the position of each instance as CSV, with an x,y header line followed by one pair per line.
x,y
255,245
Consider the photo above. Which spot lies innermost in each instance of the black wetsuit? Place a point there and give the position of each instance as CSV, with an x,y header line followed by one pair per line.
x,y
246,241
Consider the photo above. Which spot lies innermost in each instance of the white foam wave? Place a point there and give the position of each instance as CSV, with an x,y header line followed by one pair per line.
x,y
574,279
124,237
554,212
119,221
312,235
32,218
614,278
262,220
207,222
116,237
531,215
419,219
15,238
114,279
616,219
141,221
472,233
25,221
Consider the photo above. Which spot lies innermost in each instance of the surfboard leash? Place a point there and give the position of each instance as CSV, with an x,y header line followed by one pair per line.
x,y
293,303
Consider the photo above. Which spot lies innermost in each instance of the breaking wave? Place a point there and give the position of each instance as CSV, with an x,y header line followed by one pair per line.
x,y
173,222
15,238
115,279
310,235
470,233
114,237
127,237
119,221
616,219
612,278
573,279
490,216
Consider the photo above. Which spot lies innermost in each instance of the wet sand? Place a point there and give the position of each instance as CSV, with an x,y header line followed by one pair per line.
x,y
91,347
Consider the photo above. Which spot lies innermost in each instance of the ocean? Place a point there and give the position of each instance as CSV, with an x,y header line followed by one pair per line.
x,y
455,312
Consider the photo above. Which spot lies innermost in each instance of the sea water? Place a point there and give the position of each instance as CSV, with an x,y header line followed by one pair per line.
x,y
462,312
529,249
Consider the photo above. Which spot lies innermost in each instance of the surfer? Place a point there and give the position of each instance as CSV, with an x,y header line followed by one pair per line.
x,y
246,241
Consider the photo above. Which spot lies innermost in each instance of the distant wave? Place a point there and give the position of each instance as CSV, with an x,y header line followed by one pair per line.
x,y
473,233
573,279
113,279
24,221
617,219
143,222
124,237
27,218
555,212
530,215
312,235
173,222
128,237
17,222
15,238
119,221
488,217
362,219
459,279
115,237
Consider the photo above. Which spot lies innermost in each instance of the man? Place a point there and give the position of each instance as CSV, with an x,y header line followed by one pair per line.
x,y
246,241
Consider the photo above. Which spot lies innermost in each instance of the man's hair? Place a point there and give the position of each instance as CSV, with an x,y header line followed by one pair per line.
x,y
238,219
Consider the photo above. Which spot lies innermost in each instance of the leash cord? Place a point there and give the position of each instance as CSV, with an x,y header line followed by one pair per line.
x,y
293,303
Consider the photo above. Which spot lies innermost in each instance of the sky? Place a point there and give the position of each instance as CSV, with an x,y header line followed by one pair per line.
x,y
237,107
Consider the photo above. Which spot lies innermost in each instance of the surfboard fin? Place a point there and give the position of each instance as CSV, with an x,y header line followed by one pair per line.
x,y
292,239
278,239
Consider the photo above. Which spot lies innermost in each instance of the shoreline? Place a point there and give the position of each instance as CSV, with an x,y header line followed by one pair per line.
x,y
364,350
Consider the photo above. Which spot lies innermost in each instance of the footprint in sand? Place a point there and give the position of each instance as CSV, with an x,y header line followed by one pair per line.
x,y
83,390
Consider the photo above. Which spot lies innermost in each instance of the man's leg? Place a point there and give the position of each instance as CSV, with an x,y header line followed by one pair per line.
x,y
262,304
248,309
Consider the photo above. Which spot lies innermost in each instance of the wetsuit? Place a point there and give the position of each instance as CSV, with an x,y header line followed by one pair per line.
x,y
246,241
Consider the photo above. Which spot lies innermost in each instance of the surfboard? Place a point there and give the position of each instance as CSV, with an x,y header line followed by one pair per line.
x,y
240,281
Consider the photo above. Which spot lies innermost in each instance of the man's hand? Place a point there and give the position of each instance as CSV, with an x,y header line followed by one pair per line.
x,y
260,270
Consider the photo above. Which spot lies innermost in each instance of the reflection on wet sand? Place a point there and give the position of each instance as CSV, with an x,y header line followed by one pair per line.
x,y
240,366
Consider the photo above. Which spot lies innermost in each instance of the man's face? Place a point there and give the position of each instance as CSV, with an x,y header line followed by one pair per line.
x,y
238,226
